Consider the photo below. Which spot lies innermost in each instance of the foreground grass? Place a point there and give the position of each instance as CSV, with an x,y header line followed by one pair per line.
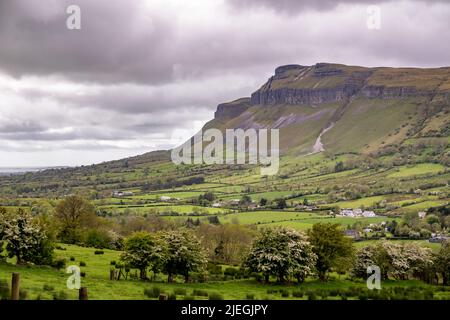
x,y
47,282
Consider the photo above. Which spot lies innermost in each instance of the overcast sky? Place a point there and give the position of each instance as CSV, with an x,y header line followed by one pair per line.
x,y
145,75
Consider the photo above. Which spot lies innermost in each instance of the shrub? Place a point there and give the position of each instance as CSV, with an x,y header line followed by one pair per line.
x,y
214,268
200,293
61,295
4,290
250,296
231,272
152,292
99,252
59,263
113,263
215,296
82,264
72,258
23,294
297,294
285,293
83,274
98,239
312,296
179,291
48,287
58,247
363,296
172,296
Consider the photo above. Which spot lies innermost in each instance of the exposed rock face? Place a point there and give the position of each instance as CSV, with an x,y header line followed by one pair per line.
x,y
232,109
390,92
325,83
346,86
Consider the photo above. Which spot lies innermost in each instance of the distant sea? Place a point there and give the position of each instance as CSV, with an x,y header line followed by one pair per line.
x,y
19,170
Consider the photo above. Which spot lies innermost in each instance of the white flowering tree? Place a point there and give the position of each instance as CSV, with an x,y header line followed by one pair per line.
x,y
183,254
25,239
393,259
283,253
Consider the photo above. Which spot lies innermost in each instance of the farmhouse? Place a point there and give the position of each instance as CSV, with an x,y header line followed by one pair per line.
x,y
354,213
119,194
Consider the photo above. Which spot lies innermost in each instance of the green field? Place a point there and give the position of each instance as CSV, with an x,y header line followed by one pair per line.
x,y
34,278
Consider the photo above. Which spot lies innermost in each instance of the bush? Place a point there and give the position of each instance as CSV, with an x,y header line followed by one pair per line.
x,y
99,252
59,263
61,295
298,294
172,296
250,296
23,294
285,293
200,293
83,274
48,287
82,264
215,296
152,292
98,239
179,291
214,268
312,296
113,263
231,272
72,258
4,290
58,247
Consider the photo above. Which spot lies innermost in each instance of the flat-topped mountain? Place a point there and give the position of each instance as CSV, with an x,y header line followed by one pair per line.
x,y
364,109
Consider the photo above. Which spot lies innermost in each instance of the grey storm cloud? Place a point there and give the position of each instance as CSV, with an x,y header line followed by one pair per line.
x,y
138,71
118,41
295,6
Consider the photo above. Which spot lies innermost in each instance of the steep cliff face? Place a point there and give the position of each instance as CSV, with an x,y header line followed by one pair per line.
x,y
325,83
232,109
368,107
322,83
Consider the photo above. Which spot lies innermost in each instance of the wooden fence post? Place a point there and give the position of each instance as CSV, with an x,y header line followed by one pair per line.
x,y
15,286
83,294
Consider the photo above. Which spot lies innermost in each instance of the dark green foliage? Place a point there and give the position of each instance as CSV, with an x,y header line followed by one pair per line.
x,y
61,295
5,293
152,292
200,293
47,287
59,264
215,296
179,291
